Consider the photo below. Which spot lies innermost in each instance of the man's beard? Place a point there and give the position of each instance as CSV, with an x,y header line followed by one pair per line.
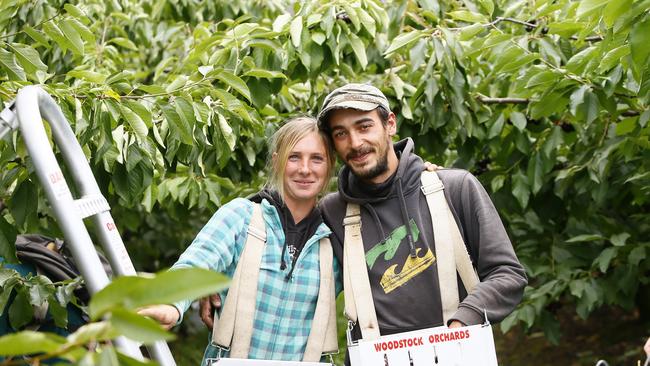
x,y
380,167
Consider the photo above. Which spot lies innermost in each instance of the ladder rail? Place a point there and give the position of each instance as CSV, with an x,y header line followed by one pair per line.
x,y
29,120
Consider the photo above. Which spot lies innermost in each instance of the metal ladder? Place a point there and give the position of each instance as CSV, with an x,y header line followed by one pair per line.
x,y
31,107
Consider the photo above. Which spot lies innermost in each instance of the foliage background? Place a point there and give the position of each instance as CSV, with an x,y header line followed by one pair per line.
x,y
546,101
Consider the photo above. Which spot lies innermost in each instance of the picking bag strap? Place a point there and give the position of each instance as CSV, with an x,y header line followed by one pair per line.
x,y
234,331
359,306
451,252
322,336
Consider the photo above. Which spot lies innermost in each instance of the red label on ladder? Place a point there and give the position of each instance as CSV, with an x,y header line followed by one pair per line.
x,y
59,186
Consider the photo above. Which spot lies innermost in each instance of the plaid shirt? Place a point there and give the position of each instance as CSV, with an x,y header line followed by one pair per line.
x,y
284,308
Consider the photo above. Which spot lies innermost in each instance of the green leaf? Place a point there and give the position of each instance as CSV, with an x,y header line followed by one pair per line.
x,y
93,332
403,40
135,122
497,126
613,57
637,255
266,74
619,239
20,310
518,119
587,7
125,43
626,126
72,36
359,50
181,131
585,238
543,79
295,30
468,16
36,35
91,76
605,258
28,58
487,5
165,288
280,22
7,243
54,32
497,183
138,327
227,132
521,190
23,206
13,70
185,110
639,40
74,11
29,342
614,10
234,82
367,21
466,33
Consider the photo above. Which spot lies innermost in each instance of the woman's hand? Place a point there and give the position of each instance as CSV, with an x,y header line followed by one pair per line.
x,y
166,315
431,167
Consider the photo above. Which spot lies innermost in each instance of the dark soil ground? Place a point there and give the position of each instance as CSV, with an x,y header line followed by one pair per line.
x,y
609,334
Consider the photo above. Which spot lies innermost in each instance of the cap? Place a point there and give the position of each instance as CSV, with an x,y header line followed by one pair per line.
x,y
361,97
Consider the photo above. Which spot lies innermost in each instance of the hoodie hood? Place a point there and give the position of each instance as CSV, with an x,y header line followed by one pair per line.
x,y
403,182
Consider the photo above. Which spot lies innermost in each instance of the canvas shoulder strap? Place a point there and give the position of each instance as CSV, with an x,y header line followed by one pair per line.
x,y
450,248
234,328
359,306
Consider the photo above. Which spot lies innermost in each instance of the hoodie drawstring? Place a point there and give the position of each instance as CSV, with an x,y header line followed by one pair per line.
x,y
405,217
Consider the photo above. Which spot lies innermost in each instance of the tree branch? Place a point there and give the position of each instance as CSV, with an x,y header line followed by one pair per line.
x,y
487,100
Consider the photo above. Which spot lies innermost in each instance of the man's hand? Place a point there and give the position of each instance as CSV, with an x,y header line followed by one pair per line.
x,y
207,307
166,315
456,324
431,167
646,348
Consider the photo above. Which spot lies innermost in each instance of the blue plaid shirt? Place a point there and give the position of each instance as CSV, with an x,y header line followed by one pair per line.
x,y
284,308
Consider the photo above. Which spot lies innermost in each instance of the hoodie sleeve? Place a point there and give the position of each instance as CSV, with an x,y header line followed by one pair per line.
x,y
502,276
219,243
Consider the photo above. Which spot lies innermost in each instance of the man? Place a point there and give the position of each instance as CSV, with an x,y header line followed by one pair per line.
x,y
383,178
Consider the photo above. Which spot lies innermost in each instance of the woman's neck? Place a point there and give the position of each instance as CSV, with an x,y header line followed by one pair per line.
x,y
300,209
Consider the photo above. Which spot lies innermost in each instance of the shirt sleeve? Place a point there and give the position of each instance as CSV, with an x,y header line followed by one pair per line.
x,y
502,277
218,245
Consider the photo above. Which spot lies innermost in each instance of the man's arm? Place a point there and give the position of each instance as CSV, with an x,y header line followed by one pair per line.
x,y
502,276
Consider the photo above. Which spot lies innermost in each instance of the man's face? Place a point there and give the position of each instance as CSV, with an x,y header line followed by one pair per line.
x,y
363,142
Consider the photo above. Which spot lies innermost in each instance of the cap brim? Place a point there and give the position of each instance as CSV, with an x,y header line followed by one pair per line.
x,y
349,104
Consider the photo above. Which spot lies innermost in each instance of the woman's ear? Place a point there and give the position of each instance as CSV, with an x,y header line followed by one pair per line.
x,y
274,160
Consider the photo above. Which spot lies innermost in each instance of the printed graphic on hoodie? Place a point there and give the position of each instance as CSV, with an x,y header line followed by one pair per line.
x,y
394,277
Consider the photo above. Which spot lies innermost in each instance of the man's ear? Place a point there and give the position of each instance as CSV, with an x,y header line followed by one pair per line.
x,y
391,124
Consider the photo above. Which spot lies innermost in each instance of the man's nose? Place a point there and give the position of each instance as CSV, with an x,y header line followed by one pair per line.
x,y
355,140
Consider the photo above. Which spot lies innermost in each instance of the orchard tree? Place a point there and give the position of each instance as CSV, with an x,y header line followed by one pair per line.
x,y
546,101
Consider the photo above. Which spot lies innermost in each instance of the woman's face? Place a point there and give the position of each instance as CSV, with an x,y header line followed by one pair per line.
x,y
306,170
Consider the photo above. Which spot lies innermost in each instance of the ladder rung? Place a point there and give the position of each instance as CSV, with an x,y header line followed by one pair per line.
x,y
91,205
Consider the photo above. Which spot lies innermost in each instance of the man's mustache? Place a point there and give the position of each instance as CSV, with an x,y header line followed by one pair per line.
x,y
354,153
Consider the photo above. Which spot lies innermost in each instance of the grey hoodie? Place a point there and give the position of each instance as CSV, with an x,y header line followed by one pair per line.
x,y
410,299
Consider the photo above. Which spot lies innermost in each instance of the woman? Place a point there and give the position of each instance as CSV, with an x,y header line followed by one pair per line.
x,y
290,282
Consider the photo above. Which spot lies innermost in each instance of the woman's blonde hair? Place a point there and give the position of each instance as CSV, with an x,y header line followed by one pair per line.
x,y
282,143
